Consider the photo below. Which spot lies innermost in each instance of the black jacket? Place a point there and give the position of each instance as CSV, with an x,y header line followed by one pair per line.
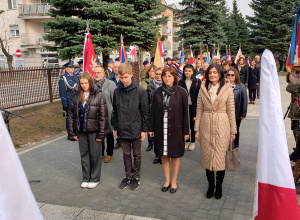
x,y
194,90
253,78
130,111
95,116
244,73
240,100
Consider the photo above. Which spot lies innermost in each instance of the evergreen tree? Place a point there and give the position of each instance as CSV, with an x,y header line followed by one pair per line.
x,y
137,20
201,24
237,32
272,24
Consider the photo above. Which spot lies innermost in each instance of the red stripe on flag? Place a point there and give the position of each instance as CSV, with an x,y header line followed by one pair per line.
x,y
277,203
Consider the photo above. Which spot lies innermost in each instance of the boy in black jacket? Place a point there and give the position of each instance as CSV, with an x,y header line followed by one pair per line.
x,y
130,121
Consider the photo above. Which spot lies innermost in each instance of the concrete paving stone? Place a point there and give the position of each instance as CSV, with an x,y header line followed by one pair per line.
x,y
224,218
201,213
176,212
119,209
98,215
227,213
212,217
192,208
229,205
163,214
218,204
132,217
214,212
240,210
55,212
172,217
205,206
197,218
40,204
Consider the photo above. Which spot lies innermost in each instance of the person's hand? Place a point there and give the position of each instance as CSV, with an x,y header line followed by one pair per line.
x,y
75,137
257,84
116,135
232,137
197,135
98,140
151,134
186,137
65,108
143,136
194,119
242,117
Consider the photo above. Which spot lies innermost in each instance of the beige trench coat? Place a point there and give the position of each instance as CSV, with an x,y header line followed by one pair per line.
x,y
215,122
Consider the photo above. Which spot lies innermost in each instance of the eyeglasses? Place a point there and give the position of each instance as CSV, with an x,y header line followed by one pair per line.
x,y
230,75
157,74
167,77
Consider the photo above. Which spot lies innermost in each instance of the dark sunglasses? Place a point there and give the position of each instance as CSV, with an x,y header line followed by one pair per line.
x,y
230,75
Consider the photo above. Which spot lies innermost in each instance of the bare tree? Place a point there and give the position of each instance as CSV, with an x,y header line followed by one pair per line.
x,y
5,40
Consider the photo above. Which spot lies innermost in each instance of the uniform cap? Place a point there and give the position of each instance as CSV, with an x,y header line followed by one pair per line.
x,y
69,64
109,61
145,62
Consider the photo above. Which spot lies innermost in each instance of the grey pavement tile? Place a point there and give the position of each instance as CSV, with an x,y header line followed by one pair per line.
x,y
212,217
133,217
238,217
40,204
227,213
55,212
214,212
98,215
172,217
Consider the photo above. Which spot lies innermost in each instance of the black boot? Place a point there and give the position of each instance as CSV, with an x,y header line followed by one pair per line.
x,y
219,178
211,183
150,146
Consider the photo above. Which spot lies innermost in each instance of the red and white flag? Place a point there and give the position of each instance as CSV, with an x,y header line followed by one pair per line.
x,y
16,198
89,57
276,197
191,57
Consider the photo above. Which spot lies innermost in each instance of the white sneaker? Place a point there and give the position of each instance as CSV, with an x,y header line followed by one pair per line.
x,y
84,184
92,185
192,146
187,144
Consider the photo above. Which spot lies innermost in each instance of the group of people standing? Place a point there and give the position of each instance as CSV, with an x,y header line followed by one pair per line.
x,y
207,104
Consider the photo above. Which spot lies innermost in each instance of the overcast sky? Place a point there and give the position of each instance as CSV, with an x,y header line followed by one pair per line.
x,y
243,5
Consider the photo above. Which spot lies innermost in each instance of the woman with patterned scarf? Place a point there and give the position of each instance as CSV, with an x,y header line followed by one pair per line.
x,y
169,125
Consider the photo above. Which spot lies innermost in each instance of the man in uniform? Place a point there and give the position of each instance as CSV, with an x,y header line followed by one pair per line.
x,y
110,66
80,63
68,85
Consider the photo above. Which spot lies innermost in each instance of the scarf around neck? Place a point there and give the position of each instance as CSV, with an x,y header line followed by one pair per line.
x,y
166,96
212,91
156,83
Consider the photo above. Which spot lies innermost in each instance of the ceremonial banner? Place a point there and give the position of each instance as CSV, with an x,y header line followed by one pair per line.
x,y
159,55
16,198
239,54
276,197
226,53
89,57
191,57
181,58
201,57
295,44
229,55
218,52
122,54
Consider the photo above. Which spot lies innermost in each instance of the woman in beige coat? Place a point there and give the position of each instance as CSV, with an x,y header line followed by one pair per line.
x,y
215,126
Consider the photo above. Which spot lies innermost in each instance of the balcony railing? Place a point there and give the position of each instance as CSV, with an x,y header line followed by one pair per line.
x,y
34,10
34,40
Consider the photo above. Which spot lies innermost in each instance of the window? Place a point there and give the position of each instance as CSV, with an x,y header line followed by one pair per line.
x,y
47,30
2,61
19,62
14,29
12,4
49,60
44,2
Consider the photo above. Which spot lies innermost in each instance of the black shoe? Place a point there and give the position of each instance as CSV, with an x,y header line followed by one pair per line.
x,y
165,189
125,182
172,190
135,183
157,160
117,145
71,139
210,192
218,194
150,146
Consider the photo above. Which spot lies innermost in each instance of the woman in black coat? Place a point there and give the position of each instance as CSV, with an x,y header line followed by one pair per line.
x,y
169,125
88,123
240,100
192,86
243,69
253,81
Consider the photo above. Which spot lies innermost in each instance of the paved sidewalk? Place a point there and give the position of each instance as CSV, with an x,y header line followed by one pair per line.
x,y
57,165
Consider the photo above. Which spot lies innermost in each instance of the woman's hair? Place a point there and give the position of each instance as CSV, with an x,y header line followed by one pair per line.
x,y
188,66
236,74
87,76
255,63
173,73
158,68
238,61
225,62
149,68
219,70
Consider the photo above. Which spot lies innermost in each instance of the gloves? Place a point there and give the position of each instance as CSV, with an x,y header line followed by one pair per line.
x,y
65,108
295,155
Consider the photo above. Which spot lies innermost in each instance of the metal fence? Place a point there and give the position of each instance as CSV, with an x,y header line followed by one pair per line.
x,y
24,86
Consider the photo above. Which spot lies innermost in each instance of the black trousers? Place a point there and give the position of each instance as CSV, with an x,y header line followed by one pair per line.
x,y
109,144
129,146
90,152
281,63
252,94
192,125
257,90
237,136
